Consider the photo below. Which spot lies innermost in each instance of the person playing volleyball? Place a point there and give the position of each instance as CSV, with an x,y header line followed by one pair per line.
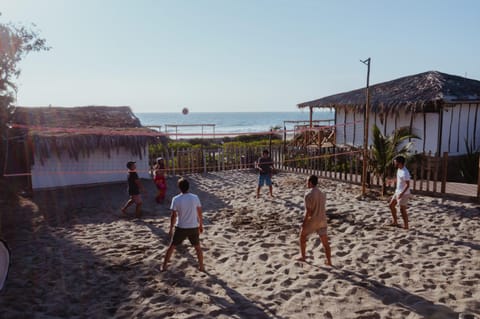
x,y
134,187
315,219
187,219
265,168
159,180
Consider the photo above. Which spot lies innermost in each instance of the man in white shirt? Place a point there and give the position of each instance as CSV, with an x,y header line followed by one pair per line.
x,y
187,218
402,192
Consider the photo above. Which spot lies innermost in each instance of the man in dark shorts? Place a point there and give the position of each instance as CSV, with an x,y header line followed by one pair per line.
x,y
134,187
265,168
187,219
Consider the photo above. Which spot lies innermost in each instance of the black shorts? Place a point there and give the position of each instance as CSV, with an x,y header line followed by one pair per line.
x,y
180,234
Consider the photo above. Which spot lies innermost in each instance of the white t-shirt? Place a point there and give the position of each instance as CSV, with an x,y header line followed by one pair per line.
x,y
403,175
186,207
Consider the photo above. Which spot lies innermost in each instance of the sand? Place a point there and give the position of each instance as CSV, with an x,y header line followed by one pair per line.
x,y
74,257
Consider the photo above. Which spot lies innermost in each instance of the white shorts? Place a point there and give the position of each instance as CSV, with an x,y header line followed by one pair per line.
x,y
403,201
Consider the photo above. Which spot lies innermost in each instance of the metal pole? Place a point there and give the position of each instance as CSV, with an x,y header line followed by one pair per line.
x,y
365,134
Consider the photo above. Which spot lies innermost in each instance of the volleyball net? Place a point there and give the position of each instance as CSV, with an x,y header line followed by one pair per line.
x,y
76,156
101,151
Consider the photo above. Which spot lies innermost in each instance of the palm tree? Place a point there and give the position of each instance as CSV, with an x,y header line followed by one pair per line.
x,y
385,148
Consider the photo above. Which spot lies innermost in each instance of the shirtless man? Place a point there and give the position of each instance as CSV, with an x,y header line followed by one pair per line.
x,y
315,219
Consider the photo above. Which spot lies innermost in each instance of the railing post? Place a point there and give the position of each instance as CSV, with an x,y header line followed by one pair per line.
x,y
204,162
429,170
444,172
478,180
173,161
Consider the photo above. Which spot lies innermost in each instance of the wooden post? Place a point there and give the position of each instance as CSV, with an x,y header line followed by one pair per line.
x,y
204,161
365,137
429,170
444,172
478,181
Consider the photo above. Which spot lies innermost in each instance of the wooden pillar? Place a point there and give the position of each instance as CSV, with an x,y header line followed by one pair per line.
x,y
204,161
444,172
478,181
424,130
311,116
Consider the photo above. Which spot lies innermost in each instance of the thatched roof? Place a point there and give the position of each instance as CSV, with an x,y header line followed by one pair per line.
x,y
81,130
424,92
80,116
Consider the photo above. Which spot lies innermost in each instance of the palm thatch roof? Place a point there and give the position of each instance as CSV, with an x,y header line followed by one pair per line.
x,y
80,116
423,92
82,130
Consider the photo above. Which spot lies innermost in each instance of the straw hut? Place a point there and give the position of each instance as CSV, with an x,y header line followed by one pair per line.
x,y
64,146
442,109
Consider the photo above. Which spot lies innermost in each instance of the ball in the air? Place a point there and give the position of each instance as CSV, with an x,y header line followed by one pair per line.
x,y
185,111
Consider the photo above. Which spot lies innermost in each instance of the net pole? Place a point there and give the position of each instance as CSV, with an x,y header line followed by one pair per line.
x,y
365,137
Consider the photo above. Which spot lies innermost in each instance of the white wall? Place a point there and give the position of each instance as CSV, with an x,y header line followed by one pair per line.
x,y
425,126
432,121
353,128
97,168
458,125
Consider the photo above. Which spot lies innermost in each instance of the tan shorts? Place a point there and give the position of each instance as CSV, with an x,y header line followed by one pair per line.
x,y
403,200
136,198
313,227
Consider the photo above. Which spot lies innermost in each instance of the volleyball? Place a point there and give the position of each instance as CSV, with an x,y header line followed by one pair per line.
x,y
185,111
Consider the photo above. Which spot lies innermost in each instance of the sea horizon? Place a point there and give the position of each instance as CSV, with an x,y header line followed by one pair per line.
x,y
201,123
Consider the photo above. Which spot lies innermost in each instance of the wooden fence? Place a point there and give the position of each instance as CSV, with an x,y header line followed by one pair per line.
x,y
430,174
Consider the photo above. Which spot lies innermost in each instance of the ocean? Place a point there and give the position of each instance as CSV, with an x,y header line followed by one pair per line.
x,y
228,122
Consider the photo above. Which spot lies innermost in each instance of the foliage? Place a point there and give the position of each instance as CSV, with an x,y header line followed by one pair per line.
x,y
469,163
386,148
240,141
249,138
15,42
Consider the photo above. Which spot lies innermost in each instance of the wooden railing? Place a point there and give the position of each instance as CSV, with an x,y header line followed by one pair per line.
x,y
430,174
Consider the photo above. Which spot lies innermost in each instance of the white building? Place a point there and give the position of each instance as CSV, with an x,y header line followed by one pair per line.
x,y
442,109
63,146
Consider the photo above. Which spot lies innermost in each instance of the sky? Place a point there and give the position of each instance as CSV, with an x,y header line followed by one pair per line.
x,y
230,56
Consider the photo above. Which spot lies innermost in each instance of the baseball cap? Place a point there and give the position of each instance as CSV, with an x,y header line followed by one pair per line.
x,y
129,164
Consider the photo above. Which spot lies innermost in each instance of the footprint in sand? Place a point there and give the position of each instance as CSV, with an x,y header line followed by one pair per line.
x,y
263,257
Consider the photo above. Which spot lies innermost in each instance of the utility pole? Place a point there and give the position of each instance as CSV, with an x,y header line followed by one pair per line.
x,y
365,127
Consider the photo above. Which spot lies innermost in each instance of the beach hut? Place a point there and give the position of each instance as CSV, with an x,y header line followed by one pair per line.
x,y
63,146
442,109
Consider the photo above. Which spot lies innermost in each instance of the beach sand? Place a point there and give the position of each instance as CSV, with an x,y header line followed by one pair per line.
x,y
74,257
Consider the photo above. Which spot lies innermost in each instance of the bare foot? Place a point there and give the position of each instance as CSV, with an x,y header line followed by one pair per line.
x,y
302,259
164,268
124,213
328,263
201,268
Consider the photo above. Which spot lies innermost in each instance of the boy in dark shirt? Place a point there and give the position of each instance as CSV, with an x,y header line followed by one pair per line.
x,y
265,168
134,187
